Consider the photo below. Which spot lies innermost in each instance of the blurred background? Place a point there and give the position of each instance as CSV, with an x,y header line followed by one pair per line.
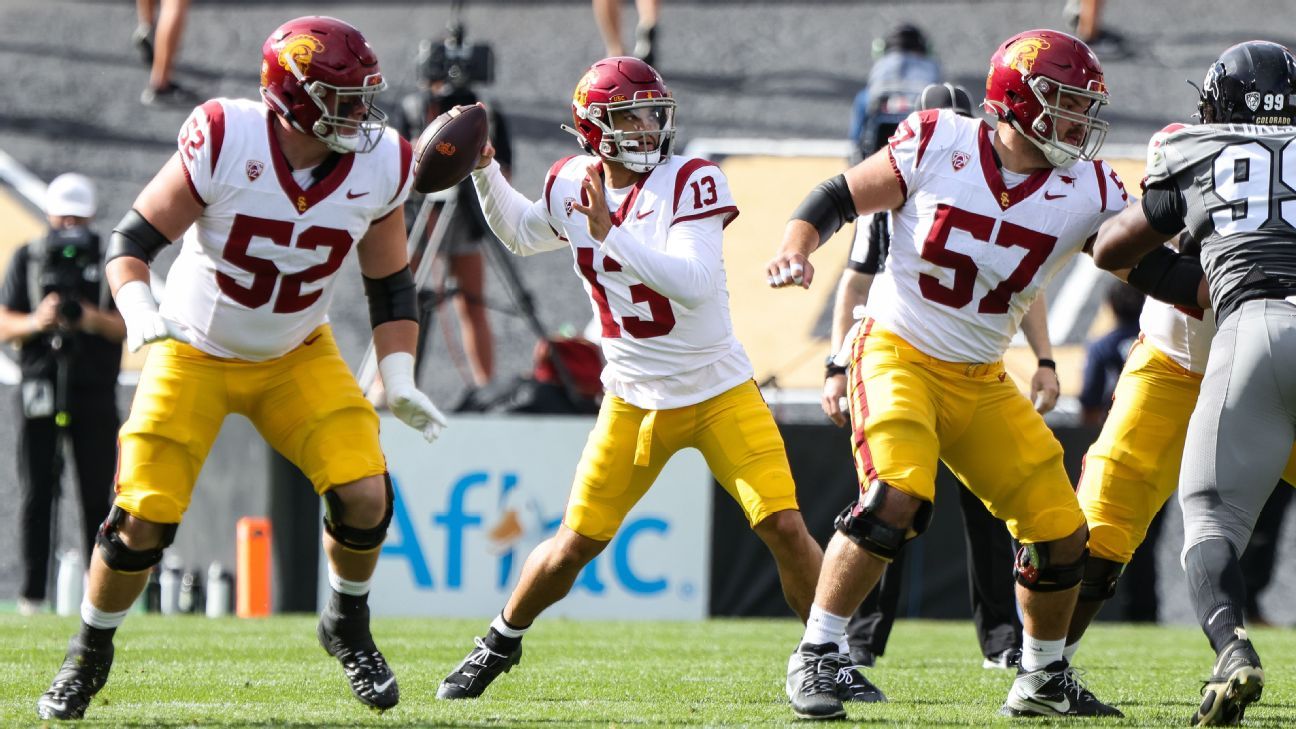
x,y
764,87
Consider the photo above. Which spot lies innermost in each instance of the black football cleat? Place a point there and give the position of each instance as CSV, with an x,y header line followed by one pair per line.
x,y
1236,681
82,674
349,641
1055,690
482,665
812,684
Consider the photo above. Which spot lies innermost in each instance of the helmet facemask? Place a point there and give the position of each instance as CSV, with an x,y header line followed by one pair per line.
x,y
1043,128
349,120
646,134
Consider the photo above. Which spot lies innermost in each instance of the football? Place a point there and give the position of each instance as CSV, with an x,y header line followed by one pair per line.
x,y
448,150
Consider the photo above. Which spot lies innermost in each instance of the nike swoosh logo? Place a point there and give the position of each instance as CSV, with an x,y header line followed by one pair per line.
x,y
1216,614
1051,196
1061,706
382,687
61,706
311,340
643,215
354,195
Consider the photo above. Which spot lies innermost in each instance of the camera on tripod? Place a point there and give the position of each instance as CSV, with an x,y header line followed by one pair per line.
x,y
69,260
451,60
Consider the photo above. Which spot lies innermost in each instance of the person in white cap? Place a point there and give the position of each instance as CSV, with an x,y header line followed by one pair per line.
x,y
56,311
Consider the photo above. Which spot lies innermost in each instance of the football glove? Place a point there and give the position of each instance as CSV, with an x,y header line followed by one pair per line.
x,y
405,400
144,324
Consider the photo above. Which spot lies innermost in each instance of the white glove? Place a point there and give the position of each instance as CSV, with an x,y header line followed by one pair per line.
x,y
144,324
405,400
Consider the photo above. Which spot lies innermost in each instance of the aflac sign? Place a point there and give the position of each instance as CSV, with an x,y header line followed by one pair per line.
x,y
470,507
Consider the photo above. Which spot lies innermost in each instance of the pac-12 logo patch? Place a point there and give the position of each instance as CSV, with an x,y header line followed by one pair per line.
x,y
253,169
959,160
1252,99
568,202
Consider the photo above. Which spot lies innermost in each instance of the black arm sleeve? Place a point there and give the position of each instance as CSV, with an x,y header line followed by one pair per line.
x,y
391,298
1165,207
136,237
1169,276
828,207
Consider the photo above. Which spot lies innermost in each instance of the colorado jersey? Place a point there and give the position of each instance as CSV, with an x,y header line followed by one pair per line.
x,y
656,283
969,254
1237,184
255,274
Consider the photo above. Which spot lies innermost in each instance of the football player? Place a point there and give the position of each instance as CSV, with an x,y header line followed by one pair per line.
x,y
990,550
645,229
1228,183
983,218
270,197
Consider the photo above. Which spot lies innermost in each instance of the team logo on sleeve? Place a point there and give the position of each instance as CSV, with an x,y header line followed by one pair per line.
x,y
959,160
253,168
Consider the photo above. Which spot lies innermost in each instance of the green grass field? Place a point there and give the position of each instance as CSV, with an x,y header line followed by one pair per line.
x,y
192,671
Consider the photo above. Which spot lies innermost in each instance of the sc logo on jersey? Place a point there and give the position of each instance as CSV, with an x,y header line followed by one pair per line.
x,y
463,568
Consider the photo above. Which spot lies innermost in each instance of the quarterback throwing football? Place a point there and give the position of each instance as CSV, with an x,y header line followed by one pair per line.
x,y
645,229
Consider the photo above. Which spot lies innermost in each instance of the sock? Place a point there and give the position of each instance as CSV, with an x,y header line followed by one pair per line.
x,y
1037,654
504,637
1070,651
98,626
348,587
350,598
823,627
1217,588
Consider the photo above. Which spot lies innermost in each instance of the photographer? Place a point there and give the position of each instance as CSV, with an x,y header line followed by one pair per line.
x,y
56,310
447,69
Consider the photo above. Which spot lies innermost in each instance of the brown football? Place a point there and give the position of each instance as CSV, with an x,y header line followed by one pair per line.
x,y
448,150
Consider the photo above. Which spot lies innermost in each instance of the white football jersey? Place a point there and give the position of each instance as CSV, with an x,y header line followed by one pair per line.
x,y
660,353
1184,335
969,254
255,274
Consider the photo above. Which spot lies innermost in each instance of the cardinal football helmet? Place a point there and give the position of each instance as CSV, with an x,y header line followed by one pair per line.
x,y
322,76
1251,83
1030,74
623,112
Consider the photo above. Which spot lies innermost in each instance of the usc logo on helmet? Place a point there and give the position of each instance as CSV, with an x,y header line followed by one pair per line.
x,y
299,51
1022,54
581,95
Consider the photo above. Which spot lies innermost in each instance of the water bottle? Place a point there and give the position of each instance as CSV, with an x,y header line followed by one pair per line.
x,y
169,580
153,592
191,589
71,583
218,591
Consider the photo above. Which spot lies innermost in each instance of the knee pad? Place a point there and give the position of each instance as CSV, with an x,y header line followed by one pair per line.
x,y
1100,577
1035,570
860,523
121,558
355,538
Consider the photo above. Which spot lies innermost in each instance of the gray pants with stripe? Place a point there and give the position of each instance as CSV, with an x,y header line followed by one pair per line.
x,y
1241,433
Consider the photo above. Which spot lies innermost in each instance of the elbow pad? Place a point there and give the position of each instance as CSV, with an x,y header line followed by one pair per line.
x,y
828,207
136,237
1168,276
391,298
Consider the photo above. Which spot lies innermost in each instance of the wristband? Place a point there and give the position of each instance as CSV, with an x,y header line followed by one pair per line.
x,y
1046,362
